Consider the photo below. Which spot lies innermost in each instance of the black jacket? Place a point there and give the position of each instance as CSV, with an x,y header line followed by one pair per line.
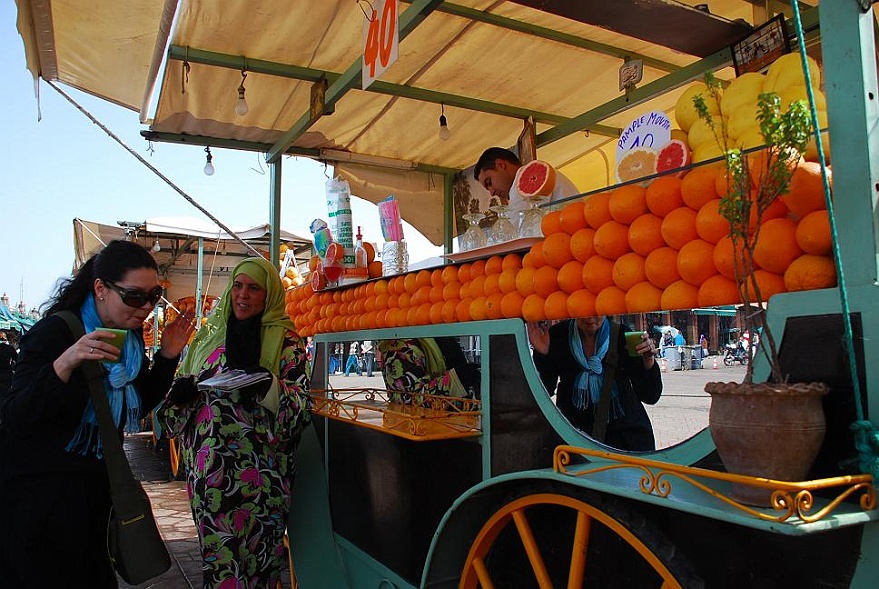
x,y
559,369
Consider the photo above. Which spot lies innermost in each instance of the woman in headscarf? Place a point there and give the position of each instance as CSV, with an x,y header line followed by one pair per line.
x,y
575,355
238,444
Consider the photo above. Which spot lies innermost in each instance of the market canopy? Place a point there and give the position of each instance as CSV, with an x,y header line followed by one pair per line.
x,y
488,65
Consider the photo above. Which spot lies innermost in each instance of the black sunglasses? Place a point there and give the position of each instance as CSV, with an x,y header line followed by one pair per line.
x,y
135,297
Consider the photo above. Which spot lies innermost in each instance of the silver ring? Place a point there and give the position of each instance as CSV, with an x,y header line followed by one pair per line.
x,y
91,351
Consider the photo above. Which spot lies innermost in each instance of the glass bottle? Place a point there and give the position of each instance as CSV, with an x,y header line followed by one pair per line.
x,y
360,258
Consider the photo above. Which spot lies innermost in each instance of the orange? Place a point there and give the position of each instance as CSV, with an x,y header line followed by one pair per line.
x,y
679,227
710,225
313,261
697,187
436,293
529,261
494,265
422,278
581,304
628,270
806,192
610,301
695,262
532,308
422,295
464,273
570,276
597,274
545,282
370,252
512,262
769,284
627,203
436,277
813,233
477,268
381,286
810,272
436,313
525,281
490,286
452,291
404,301
450,274
422,314
643,297
409,284
776,210
663,195
719,290
476,287
721,182
450,314
645,234
680,295
557,249
556,306
611,240
511,305
462,311
595,209
777,245
581,244
551,223
536,253
493,306
571,219
725,259
477,309
506,281
636,163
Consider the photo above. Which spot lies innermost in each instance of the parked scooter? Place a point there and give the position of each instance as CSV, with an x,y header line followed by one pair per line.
x,y
735,352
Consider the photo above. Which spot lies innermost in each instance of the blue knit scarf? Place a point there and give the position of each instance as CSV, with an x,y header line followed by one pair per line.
x,y
119,385
587,385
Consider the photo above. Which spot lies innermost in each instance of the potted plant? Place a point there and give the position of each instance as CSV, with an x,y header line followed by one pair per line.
x,y
775,428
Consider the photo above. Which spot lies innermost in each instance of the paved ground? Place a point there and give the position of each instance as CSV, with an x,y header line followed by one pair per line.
x,y
681,412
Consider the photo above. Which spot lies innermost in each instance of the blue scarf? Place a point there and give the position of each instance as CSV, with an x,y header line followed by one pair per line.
x,y
587,385
119,385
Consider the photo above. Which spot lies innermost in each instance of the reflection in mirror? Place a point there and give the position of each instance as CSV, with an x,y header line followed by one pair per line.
x,y
408,368
656,397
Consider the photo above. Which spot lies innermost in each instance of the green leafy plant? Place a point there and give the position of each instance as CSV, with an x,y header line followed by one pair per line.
x,y
755,179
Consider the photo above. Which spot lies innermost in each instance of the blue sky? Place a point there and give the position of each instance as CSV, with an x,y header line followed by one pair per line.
x,y
64,167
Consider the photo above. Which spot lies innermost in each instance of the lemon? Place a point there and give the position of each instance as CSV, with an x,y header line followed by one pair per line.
x,y
741,119
701,133
798,92
742,90
707,151
786,71
685,111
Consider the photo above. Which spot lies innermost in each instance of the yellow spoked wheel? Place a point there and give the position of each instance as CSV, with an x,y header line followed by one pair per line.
x,y
553,536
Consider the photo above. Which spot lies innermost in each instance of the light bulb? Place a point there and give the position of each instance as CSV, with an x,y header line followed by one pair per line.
x,y
444,132
241,107
157,247
209,169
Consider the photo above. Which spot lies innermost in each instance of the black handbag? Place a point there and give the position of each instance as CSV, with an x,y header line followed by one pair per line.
x,y
134,544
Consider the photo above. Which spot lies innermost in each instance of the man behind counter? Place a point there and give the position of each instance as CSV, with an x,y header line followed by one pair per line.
x,y
496,170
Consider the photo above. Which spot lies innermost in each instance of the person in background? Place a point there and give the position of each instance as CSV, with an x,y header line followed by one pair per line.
x,y
369,356
238,445
496,171
353,361
573,361
679,339
433,366
54,487
8,357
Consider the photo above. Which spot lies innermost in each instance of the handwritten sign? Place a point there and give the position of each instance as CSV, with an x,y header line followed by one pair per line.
x,y
381,41
652,129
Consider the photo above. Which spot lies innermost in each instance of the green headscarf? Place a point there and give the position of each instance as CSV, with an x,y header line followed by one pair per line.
x,y
275,321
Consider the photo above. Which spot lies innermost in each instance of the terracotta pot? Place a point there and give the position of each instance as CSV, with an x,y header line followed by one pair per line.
x,y
766,430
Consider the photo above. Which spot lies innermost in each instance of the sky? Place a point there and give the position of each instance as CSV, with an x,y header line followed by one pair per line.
x,y
65,167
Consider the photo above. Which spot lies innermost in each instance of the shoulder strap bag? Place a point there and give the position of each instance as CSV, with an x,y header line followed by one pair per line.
x,y
134,544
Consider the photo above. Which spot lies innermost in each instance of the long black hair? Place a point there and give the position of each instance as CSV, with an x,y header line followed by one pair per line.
x,y
111,263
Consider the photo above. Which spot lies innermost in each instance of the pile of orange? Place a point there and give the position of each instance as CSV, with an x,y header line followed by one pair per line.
x,y
631,250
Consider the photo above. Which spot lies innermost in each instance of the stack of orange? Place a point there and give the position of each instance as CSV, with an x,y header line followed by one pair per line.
x,y
630,250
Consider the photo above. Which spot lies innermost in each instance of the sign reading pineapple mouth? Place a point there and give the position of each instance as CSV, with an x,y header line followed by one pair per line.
x,y
639,145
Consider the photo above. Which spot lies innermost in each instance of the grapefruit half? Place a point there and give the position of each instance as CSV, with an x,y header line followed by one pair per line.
x,y
673,155
636,163
536,178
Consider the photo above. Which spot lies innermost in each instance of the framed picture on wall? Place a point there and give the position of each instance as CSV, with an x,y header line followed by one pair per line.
x,y
767,43
526,145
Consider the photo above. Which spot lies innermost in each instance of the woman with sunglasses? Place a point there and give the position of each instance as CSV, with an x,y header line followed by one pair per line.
x,y
54,488
238,444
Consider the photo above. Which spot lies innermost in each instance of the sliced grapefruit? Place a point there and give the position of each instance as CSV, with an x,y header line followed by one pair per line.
x,y
674,154
536,178
637,163
335,253
318,280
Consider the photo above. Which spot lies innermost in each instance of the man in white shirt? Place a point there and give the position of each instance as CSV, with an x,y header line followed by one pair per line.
x,y
496,170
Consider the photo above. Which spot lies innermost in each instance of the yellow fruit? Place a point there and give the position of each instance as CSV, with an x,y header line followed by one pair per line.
x,y
742,119
786,71
798,92
680,135
637,163
752,137
742,90
701,133
685,111
709,151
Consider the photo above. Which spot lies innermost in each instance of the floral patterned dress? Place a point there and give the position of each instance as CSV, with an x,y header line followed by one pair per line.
x,y
240,467
406,372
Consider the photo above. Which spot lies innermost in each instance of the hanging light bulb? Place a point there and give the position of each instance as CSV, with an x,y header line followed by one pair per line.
x,y
241,107
209,167
157,247
444,132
